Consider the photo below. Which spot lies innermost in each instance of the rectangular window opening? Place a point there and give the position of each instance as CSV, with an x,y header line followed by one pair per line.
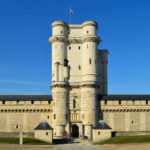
x,y
119,102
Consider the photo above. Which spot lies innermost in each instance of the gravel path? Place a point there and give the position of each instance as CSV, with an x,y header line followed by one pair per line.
x,y
76,147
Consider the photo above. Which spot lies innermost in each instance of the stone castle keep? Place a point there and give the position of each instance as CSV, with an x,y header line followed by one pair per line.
x,y
79,105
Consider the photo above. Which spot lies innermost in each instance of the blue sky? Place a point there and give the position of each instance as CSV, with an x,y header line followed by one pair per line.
x,y
25,54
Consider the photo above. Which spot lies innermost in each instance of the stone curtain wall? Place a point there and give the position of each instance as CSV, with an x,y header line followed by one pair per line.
x,y
23,117
127,116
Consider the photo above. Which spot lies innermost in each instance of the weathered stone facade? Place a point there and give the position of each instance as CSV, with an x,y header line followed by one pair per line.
x,y
79,105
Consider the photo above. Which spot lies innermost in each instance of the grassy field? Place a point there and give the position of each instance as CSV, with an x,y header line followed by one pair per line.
x,y
126,139
27,141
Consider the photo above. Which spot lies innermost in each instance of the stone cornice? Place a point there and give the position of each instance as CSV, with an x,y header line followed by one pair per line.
x,y
53,39
25,110
60,86
90,38
125,108
89,85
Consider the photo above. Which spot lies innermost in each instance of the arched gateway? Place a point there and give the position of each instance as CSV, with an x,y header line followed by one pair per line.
x,y
75,131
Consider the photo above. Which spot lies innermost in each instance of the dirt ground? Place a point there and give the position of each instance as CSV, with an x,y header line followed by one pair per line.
x,y
24,147
76,147
143,146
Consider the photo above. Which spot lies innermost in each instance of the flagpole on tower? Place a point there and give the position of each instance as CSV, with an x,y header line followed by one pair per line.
x,y
71,14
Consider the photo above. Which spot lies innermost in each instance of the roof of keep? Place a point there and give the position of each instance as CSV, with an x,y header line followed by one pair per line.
x,y
25,97
124,97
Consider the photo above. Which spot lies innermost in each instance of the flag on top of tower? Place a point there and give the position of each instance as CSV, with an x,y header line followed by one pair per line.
x,y
71,11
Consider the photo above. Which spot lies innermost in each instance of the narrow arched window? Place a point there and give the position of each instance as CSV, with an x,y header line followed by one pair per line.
x,y
74,104
79,67
90,61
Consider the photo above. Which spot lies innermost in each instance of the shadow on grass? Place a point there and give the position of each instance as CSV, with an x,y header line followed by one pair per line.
x,y
26,141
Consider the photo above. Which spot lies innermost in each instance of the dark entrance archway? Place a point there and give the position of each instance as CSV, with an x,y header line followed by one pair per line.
x,y
75,131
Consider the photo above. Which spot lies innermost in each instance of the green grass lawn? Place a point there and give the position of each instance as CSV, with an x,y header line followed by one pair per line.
x,y
126,139
27,141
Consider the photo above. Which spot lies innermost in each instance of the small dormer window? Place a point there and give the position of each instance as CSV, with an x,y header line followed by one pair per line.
x,y
87,32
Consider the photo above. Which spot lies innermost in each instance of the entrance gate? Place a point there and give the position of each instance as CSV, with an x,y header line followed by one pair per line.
x,y
75,131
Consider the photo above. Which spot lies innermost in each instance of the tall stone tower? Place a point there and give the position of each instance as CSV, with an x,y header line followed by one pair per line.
x,y
79,76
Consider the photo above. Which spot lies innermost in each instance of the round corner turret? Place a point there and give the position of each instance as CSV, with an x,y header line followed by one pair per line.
x,y
59,28
89,28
